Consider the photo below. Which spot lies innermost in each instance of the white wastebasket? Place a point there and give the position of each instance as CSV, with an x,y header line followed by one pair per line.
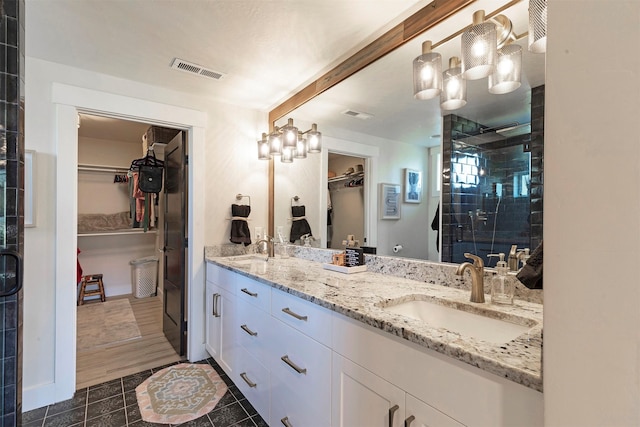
x,y
144,276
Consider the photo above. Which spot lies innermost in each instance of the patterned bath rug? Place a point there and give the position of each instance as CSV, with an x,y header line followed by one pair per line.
x,y
180,393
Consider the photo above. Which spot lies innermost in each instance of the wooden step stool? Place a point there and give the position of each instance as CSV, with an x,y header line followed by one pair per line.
x,y
91,280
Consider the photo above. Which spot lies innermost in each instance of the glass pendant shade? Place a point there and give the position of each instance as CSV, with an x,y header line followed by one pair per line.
x,y
479,48
263,148
454,87
506,76
427,73
275,143
301,148
287,155
289,135
538,26
314,140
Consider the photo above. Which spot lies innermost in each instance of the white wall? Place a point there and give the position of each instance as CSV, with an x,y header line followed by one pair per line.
x,y
231,168
592,215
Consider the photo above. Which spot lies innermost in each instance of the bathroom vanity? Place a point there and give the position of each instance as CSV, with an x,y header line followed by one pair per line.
x,y
312,347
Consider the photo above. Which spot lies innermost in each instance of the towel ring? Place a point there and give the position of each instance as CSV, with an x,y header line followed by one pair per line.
x,y
240,196
294,199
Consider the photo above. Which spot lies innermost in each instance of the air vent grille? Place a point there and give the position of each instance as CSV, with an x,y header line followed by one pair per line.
x,y
357,114
189,67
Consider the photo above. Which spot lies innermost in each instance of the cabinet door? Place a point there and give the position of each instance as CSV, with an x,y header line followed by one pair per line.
x,y
212,325
419,414
362,399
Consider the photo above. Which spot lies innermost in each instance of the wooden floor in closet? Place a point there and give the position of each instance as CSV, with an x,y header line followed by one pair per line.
x,y
95,366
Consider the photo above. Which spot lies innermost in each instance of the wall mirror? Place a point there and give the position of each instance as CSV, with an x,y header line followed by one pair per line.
x,y
477,165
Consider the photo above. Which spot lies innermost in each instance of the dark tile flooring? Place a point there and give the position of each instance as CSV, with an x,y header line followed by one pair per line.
x,y
114,404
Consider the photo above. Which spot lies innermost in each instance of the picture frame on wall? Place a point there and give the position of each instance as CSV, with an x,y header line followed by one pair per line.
x,y
390,201
412,186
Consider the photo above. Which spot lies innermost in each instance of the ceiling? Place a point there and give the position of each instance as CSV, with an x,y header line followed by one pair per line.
x,y
266,49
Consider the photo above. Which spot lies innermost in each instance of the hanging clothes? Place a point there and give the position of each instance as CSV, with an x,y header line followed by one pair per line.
x,y
299,224
240,233
435,226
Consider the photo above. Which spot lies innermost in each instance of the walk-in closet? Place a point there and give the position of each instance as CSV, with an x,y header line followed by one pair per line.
x,y
119,307
345,199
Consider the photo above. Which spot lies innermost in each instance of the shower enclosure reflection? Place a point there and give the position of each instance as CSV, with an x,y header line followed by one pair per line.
x,y
492,187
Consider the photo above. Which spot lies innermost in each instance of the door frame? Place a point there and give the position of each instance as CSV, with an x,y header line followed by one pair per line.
x,y
68,102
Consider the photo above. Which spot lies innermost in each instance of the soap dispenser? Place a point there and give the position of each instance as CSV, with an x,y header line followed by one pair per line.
x,y
502,289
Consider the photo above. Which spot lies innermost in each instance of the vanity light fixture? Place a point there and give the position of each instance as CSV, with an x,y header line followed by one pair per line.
x,y
479,45
454,87
263,148
427,73
506,75
538,26
289,143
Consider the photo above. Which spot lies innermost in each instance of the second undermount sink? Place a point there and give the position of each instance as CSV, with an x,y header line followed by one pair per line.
x,y
455,319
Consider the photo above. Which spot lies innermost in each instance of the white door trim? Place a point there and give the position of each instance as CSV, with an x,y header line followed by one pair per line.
x,y
68,101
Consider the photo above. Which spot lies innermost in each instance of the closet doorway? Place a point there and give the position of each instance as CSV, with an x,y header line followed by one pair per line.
x,y
345,199
124,334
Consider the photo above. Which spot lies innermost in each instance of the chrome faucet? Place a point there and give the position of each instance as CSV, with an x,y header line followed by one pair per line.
x,y
265,246
477,276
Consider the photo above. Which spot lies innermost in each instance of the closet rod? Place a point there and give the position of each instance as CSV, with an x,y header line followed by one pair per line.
x,y
99,168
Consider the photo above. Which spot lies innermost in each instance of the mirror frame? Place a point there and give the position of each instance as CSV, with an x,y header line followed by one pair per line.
x,y
413,26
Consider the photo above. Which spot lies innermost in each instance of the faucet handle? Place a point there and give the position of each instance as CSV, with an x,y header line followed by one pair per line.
x,y
477,261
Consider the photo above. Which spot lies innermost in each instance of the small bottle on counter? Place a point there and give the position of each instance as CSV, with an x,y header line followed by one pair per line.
x,y
502,289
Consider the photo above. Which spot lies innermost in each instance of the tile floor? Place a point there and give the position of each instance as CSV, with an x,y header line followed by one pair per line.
x,y
114,404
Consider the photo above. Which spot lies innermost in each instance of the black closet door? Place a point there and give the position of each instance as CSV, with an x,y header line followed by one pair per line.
x,y
175,213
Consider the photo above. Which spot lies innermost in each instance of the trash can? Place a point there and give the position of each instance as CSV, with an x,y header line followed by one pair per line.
x,y
144,276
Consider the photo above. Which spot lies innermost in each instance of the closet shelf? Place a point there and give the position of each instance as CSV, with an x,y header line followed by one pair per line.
x,y
346,177
102,168
117,232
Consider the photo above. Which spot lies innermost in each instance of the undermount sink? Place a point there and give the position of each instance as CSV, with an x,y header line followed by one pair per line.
x,y
248,259
456,319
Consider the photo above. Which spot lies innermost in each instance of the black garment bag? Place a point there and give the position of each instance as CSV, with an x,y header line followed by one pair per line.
x,y
150,171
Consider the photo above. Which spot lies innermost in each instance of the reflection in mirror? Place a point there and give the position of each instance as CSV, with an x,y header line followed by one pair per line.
x,y
345,199
375,108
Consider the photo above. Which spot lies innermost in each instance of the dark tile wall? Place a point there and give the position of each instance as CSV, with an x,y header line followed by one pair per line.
x,y
519,219
11,211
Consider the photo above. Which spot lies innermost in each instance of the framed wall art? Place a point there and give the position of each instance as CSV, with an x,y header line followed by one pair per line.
x,y
412,186
390,201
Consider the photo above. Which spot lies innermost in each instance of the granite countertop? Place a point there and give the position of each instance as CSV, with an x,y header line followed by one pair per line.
x,y
362,296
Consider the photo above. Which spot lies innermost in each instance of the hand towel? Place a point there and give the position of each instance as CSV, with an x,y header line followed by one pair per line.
x,y
239,227
299,224
531,274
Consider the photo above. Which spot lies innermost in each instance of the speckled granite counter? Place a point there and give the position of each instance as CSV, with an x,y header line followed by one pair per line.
x,y
363,296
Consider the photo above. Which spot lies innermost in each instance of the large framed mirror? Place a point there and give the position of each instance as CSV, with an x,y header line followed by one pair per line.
x,y
480,166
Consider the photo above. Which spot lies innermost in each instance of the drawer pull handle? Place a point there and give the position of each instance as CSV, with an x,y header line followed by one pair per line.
x,y
285,422
408,421
392,412
247,380
215,313
295,367
293,314
249,331
248,292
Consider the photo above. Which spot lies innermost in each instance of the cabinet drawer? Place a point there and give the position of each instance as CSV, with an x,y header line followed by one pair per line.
x,y
252,378
295,410
308,318
300,366
221,277
253,330
253,292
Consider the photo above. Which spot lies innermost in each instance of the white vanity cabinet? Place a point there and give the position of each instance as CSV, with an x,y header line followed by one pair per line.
x,y
300,364
220,297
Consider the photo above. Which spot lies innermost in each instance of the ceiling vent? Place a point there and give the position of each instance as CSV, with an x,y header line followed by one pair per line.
x,y
190,67
357,114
